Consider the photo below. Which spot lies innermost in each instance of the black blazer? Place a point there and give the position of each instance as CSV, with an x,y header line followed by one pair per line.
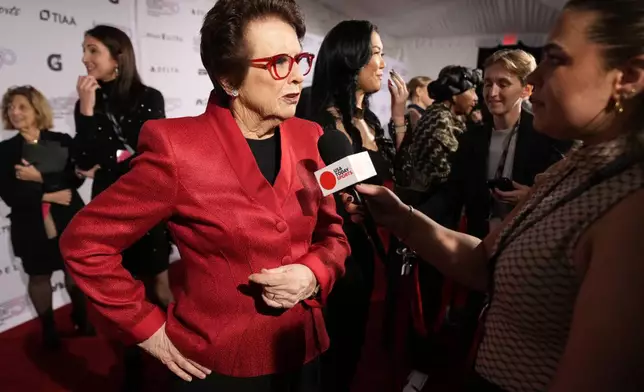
x,y
467,185
25,197
96,141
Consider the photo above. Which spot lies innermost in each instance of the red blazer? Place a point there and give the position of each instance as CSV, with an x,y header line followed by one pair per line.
x,y
199,174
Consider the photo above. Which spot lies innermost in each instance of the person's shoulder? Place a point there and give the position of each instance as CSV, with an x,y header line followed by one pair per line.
x,y
151,93
6,142
56,135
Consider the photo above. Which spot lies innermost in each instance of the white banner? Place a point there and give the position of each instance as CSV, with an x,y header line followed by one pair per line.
x,y
168,34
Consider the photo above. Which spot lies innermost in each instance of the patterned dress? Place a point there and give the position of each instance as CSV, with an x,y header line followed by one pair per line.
x,y
536,281
426,154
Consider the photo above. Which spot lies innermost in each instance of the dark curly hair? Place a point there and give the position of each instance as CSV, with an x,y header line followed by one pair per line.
x,y
453,80
224,52
343,53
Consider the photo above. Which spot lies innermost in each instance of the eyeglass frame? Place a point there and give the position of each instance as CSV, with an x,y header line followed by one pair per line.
x,y
270,63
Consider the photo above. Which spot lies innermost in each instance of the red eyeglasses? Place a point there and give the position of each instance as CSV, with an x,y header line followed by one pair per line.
x,y
281,65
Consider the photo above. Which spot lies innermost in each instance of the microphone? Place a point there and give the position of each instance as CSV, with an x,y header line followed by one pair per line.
x,y
344,170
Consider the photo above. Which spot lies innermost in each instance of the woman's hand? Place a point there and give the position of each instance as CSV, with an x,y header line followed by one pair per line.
x,y
86,88
27,172
63,197
284,287
385,207
399,97
87,173
160,347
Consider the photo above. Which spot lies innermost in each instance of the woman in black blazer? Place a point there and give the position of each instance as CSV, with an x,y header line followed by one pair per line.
x,y
113,105
43,198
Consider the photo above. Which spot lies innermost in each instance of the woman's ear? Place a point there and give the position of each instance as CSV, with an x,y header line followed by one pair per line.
x,y
227,87
631,80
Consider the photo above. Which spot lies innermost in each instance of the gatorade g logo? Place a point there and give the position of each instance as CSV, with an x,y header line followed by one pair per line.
x,y
328,181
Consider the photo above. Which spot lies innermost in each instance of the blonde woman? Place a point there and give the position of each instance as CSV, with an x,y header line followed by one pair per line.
x,y
419,99
38,183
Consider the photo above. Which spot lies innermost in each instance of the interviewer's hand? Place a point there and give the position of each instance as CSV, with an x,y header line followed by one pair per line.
x,y
386,208
284,287
160,347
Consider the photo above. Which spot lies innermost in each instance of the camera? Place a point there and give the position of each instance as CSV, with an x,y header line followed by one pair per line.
x,y
503,184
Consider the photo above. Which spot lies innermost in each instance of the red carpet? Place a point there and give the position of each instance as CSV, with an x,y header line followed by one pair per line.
x,y
90,364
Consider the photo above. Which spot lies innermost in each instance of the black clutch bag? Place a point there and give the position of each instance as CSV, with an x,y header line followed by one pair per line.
x,y
47,156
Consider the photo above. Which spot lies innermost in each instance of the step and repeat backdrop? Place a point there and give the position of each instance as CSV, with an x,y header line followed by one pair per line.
x,y
41,45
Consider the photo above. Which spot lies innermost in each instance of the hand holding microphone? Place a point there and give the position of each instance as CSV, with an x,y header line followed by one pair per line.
x,y
384,206
346,169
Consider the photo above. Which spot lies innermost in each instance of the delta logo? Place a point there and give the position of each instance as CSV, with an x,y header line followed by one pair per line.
x,y
328,180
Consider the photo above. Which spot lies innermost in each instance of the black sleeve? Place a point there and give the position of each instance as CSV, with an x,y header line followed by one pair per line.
x,y
84,146
157,105
16,193
67,179
150,107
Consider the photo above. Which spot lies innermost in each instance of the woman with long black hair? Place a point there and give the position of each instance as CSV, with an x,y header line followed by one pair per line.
x,y
349,68
113,105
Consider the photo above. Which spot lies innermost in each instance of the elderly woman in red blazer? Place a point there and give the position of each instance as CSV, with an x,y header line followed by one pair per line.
x,y
261,246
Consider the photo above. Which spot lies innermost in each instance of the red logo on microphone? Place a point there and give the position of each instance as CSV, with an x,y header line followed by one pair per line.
x,y
328,180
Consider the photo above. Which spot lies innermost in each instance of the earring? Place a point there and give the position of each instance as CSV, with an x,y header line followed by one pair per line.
x,y
234,93
618,107
116,71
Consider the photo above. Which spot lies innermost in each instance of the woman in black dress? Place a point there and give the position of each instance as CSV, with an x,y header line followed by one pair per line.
x,y
38,183
350,67
113,105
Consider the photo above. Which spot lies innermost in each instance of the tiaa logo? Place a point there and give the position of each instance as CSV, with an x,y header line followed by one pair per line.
x,y
47,15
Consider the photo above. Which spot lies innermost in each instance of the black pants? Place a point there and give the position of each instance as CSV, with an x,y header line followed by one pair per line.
x,y
346,317
305,379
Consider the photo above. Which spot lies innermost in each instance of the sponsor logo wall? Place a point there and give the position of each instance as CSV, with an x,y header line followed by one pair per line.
x,y
40,45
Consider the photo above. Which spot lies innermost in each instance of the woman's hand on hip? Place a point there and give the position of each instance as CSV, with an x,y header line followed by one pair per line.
x,y
286,286
160,347
385,207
